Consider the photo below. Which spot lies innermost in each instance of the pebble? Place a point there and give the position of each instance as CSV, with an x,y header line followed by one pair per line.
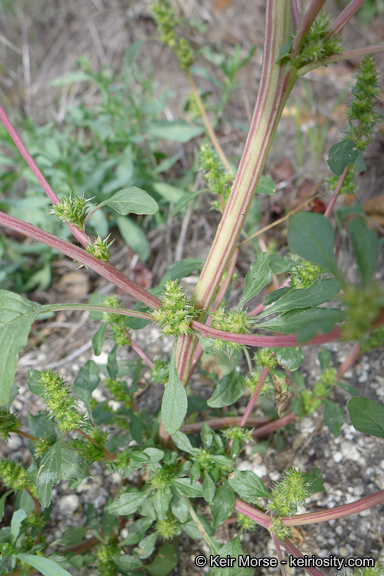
x,y
350,451
68,504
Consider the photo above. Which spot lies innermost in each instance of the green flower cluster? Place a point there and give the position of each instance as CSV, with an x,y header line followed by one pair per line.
x,y
8,423
116,322
72,210
176,311
317,45
100,248
215,174
90,451
246,523
236,321
304,274
13,475
160,371
168,528
167,23
289,493
363,308
105,555
361,110
362,118
265,357
60,403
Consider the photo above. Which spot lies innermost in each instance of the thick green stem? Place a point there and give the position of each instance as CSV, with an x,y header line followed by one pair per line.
x,y
276,84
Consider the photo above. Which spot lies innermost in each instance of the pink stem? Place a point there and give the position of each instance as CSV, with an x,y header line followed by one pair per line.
x,y
293,551
295,14
221,423
336,193
79,234
274,425
347,55
105,269
254,396
260,307
339,512
256,515
350,360
343,19
284,341
139,351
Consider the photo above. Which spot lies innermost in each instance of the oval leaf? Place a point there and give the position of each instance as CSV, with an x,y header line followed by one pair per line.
x,y
367,416
174,405
132,200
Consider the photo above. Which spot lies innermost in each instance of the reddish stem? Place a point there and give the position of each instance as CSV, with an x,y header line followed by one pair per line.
x,y
138,350
339,512
254,396
343,19
350,360
79,234
256,515
274,425
336,193
108,455
309,17
285,341
216,423
105,269
293,551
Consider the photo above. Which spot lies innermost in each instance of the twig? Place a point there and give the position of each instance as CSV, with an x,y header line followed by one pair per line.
x,y
207,123
254,396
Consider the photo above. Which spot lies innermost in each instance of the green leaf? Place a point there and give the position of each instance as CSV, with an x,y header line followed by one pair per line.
x,y
48,474
127,562
315,479
17,314
16,521
248,485
175,403
131,200
72,536
229,389
342,154
276,295
34,383
182,442
154,454
279,265
134,237
190,489
45,566
289,358
136,531
2,503
179,507
284,51
265,186
177,131
86,381
98,340
165,561
367,416
222,505
352,390
72,465
320,292
146,546
364,242
112,365
162,501
42,426
70,79
333,417
128,503
312,237
293,321
209,487
259,275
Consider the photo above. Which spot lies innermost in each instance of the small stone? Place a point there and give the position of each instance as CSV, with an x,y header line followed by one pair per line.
x,y
69,504
337,457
